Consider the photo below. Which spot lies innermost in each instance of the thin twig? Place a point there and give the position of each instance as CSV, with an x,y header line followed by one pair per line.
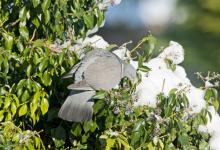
x,y
32,38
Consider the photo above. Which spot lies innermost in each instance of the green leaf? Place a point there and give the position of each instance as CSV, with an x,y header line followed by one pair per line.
x,y
24,32
25,96
89,20
45,5
20,46
135,137
7,102
33,108
170,64
46,79
61,57
13,108
85,137
35,3
43,65
47,16
58,133
29,68
138,125
144,68
76,129
100,95
9,40
109,144
36,22
22,110
216,104
44,105
20,84
23,14
99,105
183,139
89,126
8,116
1,115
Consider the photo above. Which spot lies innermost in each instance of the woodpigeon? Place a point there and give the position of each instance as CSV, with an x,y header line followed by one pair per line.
x,y
98,70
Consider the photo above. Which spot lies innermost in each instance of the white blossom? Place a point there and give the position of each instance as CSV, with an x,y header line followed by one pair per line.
x,y
106,3
162,79
174,52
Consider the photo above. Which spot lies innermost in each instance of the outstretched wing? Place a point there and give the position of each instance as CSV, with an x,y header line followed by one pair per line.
x,y
78,106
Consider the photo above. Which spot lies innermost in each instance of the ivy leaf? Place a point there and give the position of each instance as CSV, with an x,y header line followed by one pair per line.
x,y
170,64
99,105
58,133
137,127
22,110
89,126
44,105
76,130
100,95
144,68
135,137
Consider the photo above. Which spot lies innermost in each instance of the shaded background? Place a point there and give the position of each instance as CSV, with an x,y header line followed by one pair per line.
x,y
194,24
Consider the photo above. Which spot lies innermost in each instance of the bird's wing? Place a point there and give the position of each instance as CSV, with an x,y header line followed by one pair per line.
x,y
82,85
78,106
104,73
128,71
72,71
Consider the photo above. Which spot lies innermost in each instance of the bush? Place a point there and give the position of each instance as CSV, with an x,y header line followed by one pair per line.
x,y
32,89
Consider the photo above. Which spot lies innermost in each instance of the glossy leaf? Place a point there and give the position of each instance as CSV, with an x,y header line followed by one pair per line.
x,y
22,110
44,106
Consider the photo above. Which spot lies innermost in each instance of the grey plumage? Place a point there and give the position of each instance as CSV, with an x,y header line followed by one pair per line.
x,y
99,69
78,106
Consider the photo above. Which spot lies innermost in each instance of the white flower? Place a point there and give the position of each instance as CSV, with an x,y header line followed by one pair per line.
x,y
215,142
96,42
174,52
163,79
106,3
116,2
212,127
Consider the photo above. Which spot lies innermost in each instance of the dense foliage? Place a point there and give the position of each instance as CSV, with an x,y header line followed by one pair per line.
x,y
32,89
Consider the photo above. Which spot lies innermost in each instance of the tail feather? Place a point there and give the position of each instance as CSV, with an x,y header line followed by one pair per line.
x,y
78,106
